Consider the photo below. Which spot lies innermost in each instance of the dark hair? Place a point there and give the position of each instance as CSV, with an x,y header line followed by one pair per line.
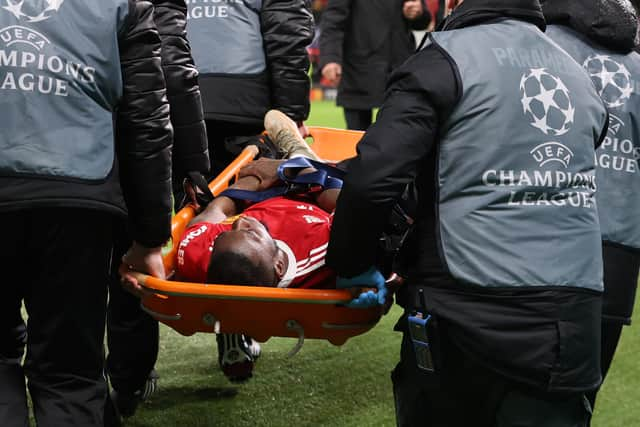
x,y
233,268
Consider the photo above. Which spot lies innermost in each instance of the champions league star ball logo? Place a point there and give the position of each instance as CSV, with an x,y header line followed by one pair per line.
x,y
612,79
32,10
546,102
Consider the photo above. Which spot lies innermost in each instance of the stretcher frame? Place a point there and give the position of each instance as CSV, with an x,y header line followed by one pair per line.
x,y
260,312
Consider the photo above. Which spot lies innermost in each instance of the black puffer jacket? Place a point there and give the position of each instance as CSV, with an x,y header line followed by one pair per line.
x,y
144,134
286,31
190,152
142,170
369,38
612,24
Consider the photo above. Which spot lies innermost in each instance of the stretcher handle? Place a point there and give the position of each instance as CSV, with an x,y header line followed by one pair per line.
x,y
296,327
253,293
235,292
160,316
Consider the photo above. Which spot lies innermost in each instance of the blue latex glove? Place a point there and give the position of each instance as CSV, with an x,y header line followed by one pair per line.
x,y
371,278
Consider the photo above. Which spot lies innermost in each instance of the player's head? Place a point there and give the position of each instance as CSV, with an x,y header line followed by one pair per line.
x,y
246,255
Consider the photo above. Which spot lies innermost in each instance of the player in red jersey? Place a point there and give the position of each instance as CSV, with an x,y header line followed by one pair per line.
x,y
280,241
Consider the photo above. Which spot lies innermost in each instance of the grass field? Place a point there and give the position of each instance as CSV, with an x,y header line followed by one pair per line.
x,y
323,385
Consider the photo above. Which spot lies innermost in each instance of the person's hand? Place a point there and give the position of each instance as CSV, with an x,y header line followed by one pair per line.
x,y
190,192
144,260
265,170
197,191
412,9
333,73
371,278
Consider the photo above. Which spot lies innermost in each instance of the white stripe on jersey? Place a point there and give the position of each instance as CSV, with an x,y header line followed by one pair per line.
x,y
312,252
311,268
312,260
319,248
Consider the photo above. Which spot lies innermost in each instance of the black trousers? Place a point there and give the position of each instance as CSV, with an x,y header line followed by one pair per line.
x,y
358,119
463,393
56,261
621,267
132,334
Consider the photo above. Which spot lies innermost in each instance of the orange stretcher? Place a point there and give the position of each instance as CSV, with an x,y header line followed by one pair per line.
x,y
260,312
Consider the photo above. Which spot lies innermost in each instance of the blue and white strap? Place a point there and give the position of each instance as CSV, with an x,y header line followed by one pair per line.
x,y
325,176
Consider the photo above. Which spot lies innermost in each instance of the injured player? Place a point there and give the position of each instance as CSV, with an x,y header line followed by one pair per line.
x,y
280,241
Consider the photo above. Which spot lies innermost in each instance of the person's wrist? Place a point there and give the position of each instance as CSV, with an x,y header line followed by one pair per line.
x,y
361,278
248,182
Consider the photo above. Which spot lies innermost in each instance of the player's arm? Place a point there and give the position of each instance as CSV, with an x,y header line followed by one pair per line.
x,y
327,199
266,172
222,207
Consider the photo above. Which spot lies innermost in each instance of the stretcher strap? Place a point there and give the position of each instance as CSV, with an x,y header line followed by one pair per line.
x,y
254,196
204,196
318,177
325,177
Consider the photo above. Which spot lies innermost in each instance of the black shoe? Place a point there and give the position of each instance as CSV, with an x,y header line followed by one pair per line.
x,y
150,386
237,355
112,417
125,404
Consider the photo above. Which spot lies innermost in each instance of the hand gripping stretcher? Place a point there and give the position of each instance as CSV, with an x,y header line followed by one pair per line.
x,y
260,312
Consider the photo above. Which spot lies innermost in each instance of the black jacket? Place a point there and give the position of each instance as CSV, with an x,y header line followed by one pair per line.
x,y
190,152
369,38
611,24
142,170
287,30
402,147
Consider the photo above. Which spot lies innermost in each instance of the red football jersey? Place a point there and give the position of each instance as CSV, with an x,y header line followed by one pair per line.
x,y
301,229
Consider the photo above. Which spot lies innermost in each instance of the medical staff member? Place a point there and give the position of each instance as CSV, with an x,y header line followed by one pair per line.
x,y
500,136
601,38
70,72
252,57
132,334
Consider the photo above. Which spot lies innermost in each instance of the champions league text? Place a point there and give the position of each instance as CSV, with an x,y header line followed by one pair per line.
x,y
57,73
209,8
621,156
548,188
615,153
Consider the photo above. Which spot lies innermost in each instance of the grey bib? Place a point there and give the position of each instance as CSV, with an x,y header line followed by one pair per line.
x,y
60,82
226,36
516,169
616,78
